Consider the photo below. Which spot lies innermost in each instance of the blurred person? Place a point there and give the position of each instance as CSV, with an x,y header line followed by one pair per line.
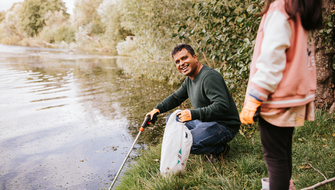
x,y
282,81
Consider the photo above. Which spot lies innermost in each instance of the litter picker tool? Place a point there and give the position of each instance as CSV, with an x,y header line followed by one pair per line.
x,y
146,123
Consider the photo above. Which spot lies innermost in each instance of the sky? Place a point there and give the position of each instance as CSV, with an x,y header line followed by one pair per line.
x,y
7,4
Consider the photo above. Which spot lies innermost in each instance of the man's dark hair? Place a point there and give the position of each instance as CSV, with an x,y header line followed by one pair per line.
x,y
179,47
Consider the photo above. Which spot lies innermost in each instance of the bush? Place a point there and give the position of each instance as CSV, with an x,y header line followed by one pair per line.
x,y
225,38
48,34
110,13
6,41
152,23
126,47
221,32
65,33
10,27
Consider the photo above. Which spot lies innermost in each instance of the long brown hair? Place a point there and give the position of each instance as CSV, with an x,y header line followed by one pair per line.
x,y
310,12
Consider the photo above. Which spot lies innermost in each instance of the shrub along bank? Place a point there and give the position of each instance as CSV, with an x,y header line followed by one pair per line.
x,y
221,32
244,167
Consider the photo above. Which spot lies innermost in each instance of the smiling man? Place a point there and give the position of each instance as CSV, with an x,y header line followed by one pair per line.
x,y
214,119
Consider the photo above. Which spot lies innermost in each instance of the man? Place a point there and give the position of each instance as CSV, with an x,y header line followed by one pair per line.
x,y
214,119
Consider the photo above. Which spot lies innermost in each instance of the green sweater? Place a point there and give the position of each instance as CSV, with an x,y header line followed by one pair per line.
x,y
210,98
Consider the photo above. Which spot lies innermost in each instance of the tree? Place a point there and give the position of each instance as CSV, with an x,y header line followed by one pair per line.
x,y
325,57
110,13
2,16
86,15
34,11
11,24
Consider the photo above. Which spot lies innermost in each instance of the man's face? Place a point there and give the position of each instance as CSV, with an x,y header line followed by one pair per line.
x,y
187,64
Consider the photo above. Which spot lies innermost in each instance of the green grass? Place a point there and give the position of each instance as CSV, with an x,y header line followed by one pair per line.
x,y
244,167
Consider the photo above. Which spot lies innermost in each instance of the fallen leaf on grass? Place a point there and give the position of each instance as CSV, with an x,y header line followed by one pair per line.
x,y
304,167
300,139
333,134
324,145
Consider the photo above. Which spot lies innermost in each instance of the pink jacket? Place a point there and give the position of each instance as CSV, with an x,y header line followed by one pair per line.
x,y
282,72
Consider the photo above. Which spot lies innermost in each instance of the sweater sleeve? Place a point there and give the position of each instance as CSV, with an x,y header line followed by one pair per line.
x,y
174,100
216,93
272,60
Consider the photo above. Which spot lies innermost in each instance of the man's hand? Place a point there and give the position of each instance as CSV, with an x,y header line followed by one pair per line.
x,y
249,110
184,115
153,115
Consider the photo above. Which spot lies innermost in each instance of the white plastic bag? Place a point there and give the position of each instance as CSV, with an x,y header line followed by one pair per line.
x,y
176,147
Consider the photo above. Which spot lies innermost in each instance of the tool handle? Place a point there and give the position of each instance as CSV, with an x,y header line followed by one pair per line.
x,y
145,123
124,161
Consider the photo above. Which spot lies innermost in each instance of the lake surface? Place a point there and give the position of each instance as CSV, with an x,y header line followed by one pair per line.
x,y
67,119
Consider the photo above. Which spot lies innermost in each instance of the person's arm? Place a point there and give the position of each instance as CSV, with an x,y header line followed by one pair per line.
x,y
272,60
217,94
174,100
270,64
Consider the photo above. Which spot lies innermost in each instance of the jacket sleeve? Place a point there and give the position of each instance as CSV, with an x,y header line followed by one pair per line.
x,y
272,60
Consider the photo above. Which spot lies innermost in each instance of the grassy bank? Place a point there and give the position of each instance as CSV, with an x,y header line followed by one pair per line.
x,y
244,166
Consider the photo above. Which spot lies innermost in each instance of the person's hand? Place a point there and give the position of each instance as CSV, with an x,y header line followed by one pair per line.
x,y
184,115
249,110
153,115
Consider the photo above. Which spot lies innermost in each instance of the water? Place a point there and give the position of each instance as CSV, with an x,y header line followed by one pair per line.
x,y
67,119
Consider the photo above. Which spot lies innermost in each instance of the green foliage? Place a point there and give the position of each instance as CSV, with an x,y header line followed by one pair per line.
x,y
328,31
65,33
57,28
86,15
11,30
111,15
225,37
34,11
48,34
152,21
2,16
221,32
96,27
244,167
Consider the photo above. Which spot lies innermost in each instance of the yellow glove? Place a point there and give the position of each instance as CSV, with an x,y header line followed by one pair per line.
x,y
184,115
153,115
249,110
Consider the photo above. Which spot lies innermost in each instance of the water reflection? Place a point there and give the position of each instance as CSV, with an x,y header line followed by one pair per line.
x,y
67,119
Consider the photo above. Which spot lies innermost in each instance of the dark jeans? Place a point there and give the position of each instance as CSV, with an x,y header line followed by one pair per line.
x,y
277,148
208,137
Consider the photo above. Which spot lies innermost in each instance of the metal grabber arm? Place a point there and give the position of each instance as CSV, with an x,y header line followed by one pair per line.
x,y
145,123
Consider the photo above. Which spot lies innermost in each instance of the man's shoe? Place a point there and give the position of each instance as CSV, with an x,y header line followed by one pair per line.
x,y
210,158
224,152
213,157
